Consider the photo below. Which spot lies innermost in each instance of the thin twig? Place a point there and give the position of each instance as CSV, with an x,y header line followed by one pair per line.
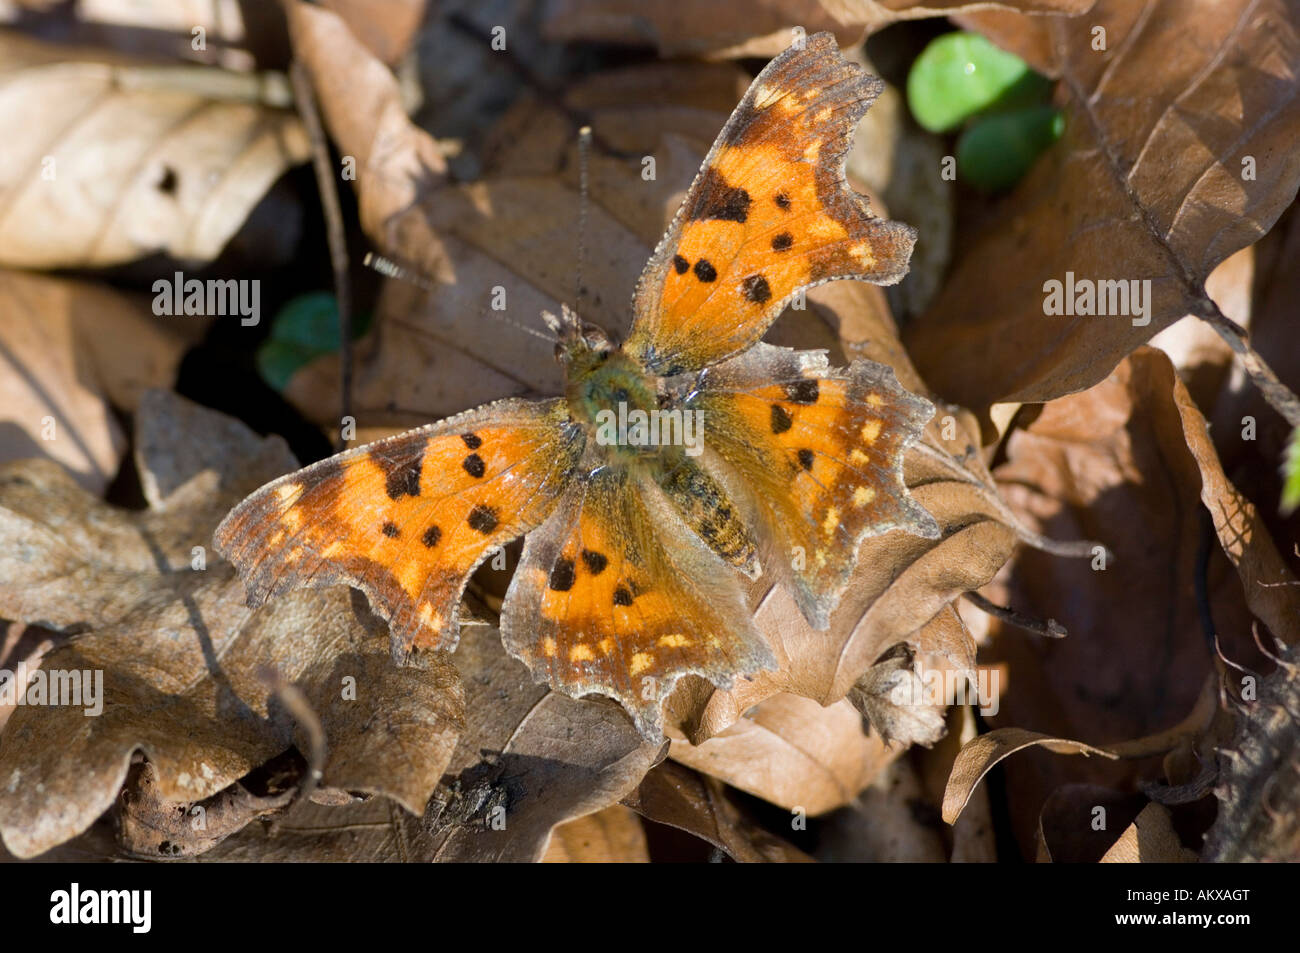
x,y
1277,394
1050,629
334,231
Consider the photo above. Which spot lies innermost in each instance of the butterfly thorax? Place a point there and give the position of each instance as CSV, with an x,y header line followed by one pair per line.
x,y
605,391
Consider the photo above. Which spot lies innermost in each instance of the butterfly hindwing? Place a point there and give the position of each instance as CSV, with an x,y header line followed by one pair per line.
x,y
770,212
819,451
614,595
407,519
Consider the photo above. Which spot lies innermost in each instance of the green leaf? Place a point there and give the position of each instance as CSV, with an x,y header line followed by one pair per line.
x,y
996,151
1291,475
960,75
303,330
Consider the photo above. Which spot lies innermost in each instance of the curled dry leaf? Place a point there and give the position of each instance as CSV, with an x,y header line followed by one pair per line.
x,y
118,164
1079,823
792,752
674,795
174,651
1150,839
1147,184
978,757
150,826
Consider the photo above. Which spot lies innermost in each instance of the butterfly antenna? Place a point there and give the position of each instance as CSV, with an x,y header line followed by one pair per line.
x,y
584,150
390,268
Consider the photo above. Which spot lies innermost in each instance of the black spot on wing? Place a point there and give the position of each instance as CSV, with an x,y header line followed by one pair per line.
x,y
717,200
391,531
622,597
781,419
804,391
401,478
806,458
756,289
782,201
483,519
680,264
596,562
705,271
474,465
472,440
782,242
562,575
431,536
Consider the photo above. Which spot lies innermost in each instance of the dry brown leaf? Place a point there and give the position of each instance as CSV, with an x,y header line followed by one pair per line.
x,y
116,164
1113,464
978,757
674,795
792,752
1147,183
612,835
152,827
68,349
1079,823
529,759
728,29
180,654
1150,839
891,822
715,29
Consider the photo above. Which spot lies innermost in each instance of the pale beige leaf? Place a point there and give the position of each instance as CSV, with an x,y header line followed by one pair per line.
x,y
978,757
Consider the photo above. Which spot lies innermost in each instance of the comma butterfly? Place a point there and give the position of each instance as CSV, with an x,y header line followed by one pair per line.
x,y
631,574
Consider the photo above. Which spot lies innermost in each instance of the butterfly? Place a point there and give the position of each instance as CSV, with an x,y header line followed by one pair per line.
x,y
674,466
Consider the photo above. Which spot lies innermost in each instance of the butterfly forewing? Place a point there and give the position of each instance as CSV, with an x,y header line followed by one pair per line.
x,y
769,213
407,519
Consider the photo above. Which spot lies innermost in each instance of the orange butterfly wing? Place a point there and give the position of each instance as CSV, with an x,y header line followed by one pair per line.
x,y
615,595
820,454
407,519
770,212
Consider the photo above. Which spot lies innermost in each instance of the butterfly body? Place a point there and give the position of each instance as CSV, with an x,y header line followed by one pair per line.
x,y
672,467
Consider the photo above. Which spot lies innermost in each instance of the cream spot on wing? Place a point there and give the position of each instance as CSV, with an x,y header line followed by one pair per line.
x,y
333,549
863,495
548,647
288,492
875,400
607,645
640,662
826,229
581,653
765,95
862,254
832,520
294,554
871,430
857,456
820,557
813,150
430,618
674,641
292,519
276,538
